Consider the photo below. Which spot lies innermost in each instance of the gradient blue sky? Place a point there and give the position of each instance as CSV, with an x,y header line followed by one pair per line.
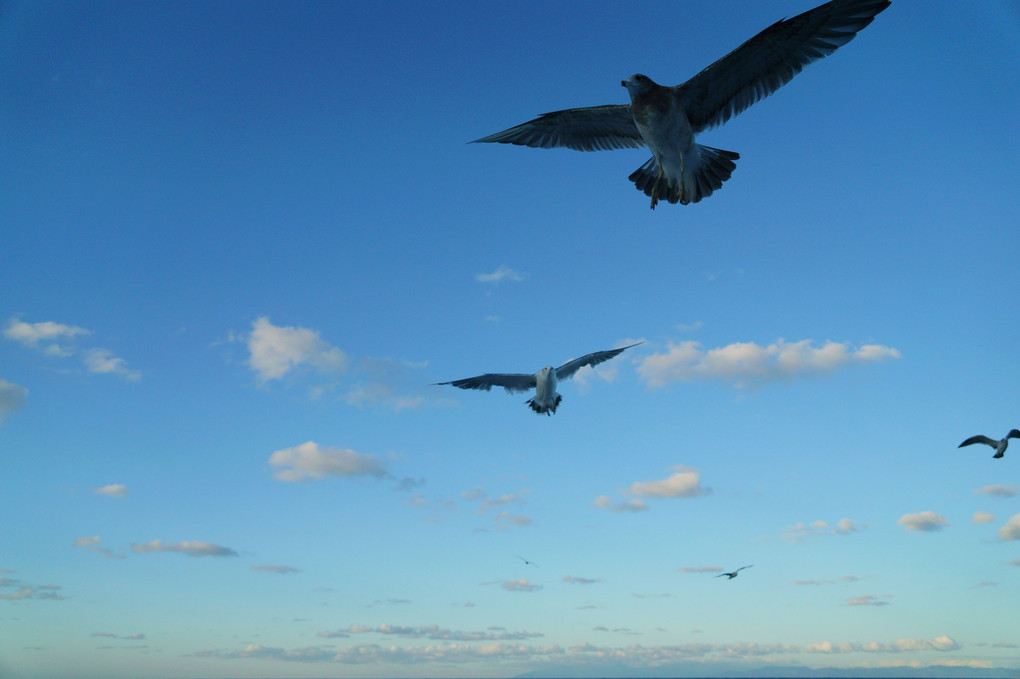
x,y
241,240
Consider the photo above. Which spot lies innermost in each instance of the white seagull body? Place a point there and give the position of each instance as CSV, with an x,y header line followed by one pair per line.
x,y
544,382
666,119
1000,445
733,574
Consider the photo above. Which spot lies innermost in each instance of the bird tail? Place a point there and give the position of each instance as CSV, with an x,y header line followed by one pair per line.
x,y
543,408
704,170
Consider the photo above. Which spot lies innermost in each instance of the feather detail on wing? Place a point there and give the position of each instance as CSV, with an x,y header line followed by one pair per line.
x,y
596,128
979,439
513,383
568,369
770,59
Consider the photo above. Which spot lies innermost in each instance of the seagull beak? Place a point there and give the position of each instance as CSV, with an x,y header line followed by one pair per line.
x,y
623,83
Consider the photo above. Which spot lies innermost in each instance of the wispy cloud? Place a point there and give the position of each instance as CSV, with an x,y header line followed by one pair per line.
x,y
28,591
102,361
926,522
800,531
700,569
577,580
279,570
998,490
502,273
583,655
868,600
521,585
12,398
433,632
126,637
187,547
982,517
312,461
1011,529
42,337
845,578
112,490
624,507
746,364
92,544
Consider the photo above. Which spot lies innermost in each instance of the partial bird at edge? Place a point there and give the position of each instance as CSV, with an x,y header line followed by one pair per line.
x,y
999,445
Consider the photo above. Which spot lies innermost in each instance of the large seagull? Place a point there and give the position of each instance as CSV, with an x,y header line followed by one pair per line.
x,y
545,400
667,119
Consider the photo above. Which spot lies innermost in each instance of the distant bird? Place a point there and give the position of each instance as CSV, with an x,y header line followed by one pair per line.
x,y
666,119
528,563
545,400
1000,445
733,574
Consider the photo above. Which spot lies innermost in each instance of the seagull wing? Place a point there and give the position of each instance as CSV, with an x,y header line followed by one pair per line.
x,y
596,128
512,382
568,369
979,439
770,59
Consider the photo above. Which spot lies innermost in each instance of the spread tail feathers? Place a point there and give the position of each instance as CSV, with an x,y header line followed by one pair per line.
x,y
704,172
542,408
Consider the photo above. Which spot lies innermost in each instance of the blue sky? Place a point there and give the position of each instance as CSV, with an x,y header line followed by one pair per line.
x,y
241,241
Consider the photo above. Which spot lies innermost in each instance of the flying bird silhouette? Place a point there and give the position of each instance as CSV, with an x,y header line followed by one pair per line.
x,y
528,563
667,119
545,400
1000,445
733,574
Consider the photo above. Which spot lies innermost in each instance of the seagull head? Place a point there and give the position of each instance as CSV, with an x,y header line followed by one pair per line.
x,y
638,84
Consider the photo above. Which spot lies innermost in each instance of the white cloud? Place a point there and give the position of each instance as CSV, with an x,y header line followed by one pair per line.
x,y
627,506
312,461
982,517
577,580
112,490
684,482
940,643
103,361
998,490
522,585
186,547
799,531
276,350
40,335
31,334
1011,529
926,521
12,397
502,273
748,364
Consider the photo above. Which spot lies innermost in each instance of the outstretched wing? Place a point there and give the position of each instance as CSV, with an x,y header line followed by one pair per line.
x,y
743,567
770,59
511,382
570,367
596,128
979,439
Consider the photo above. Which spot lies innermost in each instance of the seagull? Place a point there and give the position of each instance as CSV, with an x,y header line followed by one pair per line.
x,y
1000,446
733,574
545,400
526,562
667,119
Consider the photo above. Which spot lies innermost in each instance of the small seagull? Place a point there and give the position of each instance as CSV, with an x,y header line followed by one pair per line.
x,y
666,119
545,400
1000,446
733,574
528,563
